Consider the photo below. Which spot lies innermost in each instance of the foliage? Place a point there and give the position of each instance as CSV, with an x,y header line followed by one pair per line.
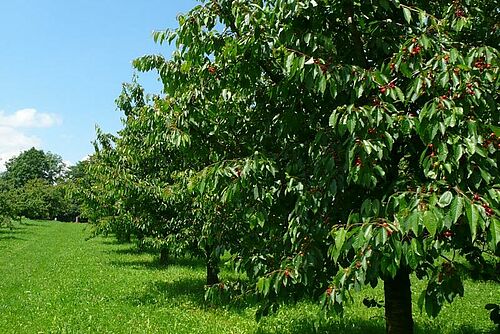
x,y
34,164
494,313
35,186
318,170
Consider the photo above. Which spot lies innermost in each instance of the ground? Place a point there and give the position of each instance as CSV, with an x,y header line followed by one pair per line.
x,y
53,279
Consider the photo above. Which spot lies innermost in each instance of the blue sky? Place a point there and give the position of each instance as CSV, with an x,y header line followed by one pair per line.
x,y
62,64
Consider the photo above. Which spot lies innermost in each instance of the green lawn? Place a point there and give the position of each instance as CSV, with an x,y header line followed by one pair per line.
x,y
53,280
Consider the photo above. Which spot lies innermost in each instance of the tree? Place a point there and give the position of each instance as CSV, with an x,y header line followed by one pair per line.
x,y
324,144
35,186
33,164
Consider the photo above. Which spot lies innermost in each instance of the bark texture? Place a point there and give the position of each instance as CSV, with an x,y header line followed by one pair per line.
x,y
163,256
397,291
212,267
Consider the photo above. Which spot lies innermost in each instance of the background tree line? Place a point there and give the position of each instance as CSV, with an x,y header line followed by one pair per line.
x,y
38,185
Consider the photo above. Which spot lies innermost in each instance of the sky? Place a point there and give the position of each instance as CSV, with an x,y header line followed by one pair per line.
x,y
62,65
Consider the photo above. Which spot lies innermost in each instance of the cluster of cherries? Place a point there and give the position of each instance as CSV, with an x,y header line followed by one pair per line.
x,y
390,85
487,208
481,64
212,70
459,13
324,67
493,139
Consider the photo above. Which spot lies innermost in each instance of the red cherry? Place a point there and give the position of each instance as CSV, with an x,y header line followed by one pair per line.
x,y
489,212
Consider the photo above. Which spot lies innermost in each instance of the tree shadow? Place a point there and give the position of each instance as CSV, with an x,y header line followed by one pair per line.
x,y
354,325
14,233
339,325
34,223
155,264
133,251
111,241
461,329
11,237
166,294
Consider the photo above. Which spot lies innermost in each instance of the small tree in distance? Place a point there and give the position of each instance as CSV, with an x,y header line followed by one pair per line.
x,y
33,164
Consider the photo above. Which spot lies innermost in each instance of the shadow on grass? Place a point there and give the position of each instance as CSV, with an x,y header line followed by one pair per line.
x,y
339,325
14,233
354,326
154,264
11,237
112,241
460,329
190,290
27,222
133,251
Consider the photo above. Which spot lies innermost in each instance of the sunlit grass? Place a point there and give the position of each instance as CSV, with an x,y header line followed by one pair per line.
x,y
53,280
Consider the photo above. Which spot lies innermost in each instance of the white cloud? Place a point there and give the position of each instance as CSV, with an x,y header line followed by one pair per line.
x,y
29,118
12,140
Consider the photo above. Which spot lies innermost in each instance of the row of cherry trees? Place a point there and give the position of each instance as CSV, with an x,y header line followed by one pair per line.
x,y
324,145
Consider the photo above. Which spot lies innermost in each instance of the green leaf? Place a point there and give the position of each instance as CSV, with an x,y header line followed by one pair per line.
x,y
400,94
289,62
322,84
430,222
267,286
340,236
256,192
456,209
493,234
473,218
411,257
445,199
414,220
407,14
432,306
445,77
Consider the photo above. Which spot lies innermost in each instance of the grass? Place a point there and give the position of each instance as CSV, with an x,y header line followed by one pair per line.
x,y
52,280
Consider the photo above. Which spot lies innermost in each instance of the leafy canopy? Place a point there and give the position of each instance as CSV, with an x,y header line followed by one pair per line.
x,y
324,144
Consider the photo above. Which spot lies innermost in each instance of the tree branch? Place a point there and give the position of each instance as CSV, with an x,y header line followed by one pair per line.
x,y
359,53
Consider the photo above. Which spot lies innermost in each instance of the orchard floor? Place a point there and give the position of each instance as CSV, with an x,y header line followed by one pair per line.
x,y
53,280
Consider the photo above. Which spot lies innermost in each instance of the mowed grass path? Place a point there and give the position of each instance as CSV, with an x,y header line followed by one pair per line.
x,y
53,280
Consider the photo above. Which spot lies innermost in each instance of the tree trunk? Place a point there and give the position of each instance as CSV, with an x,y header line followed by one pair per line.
x,y
163,256
398,317
212,267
